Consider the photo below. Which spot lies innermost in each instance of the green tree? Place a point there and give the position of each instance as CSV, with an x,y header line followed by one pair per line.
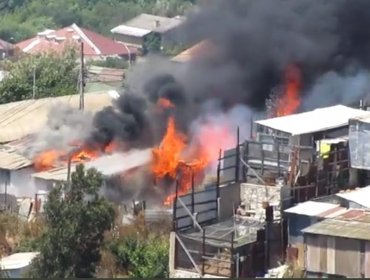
x,y
142,250
55,75
76,218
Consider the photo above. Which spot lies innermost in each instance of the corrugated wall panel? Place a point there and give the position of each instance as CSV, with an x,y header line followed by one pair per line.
x,y
323,243
331,255
313,253
359,144
347,257
367,260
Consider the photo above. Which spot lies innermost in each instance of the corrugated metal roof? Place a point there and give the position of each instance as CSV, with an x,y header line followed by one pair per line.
x,y
108,165
359,196
312,208
13,161
339,228
365,118
149,22
352,214
314,121
130,31
19,119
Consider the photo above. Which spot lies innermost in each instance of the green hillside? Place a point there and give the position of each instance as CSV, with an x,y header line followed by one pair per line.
x,y
20,19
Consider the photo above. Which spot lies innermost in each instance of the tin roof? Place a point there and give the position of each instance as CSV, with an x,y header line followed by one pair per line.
x,y
340,228
312,208
108,165
314,121
13,161
359,196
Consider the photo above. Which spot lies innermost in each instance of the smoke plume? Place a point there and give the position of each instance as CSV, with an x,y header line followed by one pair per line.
x,y
251,43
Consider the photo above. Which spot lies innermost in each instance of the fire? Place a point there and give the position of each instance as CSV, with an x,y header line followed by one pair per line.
x,y
50,159
169,159
290,100
167,156
165,103
46,160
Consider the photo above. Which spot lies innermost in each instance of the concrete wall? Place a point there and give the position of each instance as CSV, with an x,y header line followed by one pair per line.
x,y
229,198
253,196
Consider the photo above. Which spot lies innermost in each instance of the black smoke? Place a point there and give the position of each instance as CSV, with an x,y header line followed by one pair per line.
x,y
252,44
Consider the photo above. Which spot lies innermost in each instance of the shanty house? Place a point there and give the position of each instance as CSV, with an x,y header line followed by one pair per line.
x,y
116,169
359,139
147,32
15,174
339,247
301,216
16,128
306,147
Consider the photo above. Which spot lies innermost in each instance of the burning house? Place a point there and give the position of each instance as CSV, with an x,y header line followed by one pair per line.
x,y
18,137
121,172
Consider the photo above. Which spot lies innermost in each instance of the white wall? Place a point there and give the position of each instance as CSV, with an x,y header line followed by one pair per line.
x,y
20,182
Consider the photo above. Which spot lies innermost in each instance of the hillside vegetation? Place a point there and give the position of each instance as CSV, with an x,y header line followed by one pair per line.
x,y
20,19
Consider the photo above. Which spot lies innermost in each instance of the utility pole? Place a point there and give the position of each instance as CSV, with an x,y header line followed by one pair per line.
x,y
34,83
81,79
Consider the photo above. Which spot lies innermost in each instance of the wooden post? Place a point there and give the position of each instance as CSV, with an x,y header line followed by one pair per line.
x,y
232,254
219,173
192,192
69,171
81,81
237,163
203,250
278,158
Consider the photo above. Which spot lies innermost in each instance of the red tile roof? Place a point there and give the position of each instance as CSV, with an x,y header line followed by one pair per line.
x,y
56,41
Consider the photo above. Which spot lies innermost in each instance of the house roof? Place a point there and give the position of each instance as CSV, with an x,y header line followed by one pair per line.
x,y
313,121
312,208
13,161
57,40
145,23
195,51
340,228
4,45
17,261
108,165
19,119
365,118
359,196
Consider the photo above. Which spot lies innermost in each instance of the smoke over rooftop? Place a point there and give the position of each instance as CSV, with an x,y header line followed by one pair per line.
x,y
253,42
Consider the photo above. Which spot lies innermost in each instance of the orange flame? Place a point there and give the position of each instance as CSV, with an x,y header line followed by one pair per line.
x,y
46,160
167,156
49,159
164,103
168,160
290,101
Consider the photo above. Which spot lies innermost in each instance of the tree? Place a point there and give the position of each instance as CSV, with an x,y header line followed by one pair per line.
x,y
76,218
142,251
55,75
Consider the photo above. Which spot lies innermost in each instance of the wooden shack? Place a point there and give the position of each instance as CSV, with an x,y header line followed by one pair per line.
x,y
339,247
